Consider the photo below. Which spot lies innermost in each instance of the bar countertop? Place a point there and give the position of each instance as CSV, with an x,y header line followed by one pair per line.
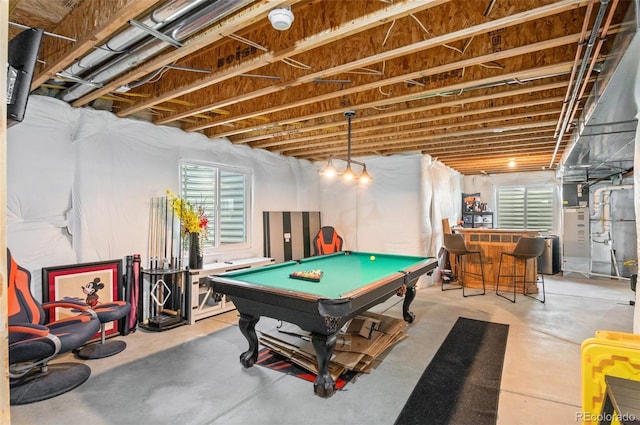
x,y
483,230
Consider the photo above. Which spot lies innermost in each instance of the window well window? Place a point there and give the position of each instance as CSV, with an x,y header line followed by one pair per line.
x,y
525,207
224,193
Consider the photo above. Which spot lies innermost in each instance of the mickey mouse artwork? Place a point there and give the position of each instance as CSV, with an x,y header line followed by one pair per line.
x,y
91,291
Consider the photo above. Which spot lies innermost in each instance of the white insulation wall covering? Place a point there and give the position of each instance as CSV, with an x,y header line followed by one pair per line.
x,y
446,199
636,180
40,174
80,183
395,212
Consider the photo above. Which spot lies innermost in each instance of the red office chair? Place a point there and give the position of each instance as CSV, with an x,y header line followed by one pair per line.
x,y
32,343
327,241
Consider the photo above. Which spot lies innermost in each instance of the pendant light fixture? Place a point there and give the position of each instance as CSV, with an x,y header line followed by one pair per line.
x,y
347,174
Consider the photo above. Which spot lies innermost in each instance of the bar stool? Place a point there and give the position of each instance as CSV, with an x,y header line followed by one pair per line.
x,y
107,312
527,248
454,244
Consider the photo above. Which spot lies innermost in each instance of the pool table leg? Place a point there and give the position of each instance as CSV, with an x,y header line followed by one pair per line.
x,y
247,326
324,386
409,295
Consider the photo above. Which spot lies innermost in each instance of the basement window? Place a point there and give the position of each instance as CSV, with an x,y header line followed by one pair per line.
x,y
225,193
525,207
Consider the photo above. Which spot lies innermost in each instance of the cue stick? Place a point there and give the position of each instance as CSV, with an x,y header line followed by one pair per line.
x,y
173,264
152,230
149,235
158,232
166,233
156,235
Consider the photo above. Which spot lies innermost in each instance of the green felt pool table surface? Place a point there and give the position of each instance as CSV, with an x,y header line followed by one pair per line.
x,y
343,272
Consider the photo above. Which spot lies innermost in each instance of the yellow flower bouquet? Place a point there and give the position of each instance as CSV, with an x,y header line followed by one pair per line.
x,y
194,220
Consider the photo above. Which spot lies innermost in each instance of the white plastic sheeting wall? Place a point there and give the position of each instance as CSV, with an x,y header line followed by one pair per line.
x,y
400,211
80,183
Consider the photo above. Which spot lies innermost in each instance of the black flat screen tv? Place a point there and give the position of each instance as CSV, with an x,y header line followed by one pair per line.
x,y
22,55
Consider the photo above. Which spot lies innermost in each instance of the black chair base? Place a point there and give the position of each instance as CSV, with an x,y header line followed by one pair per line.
x,y
101,350
37,385
464,274
513,300
544,295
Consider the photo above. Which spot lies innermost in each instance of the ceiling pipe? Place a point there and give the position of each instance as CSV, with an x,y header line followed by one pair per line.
x,y
179,31
583,36
594,58
583,67
157,19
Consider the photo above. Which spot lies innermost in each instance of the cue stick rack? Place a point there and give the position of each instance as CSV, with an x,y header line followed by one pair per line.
x,y
163,282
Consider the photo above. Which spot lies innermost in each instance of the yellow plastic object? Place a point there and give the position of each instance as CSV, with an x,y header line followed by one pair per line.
x,y
609,353
619,336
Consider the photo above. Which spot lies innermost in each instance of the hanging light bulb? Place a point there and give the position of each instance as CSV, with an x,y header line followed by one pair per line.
x,y
365,177
348,174
329,170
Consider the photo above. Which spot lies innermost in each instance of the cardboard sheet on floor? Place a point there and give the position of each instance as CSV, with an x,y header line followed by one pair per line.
x,y
354,351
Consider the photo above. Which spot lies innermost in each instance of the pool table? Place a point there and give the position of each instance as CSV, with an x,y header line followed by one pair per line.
x,y
351,283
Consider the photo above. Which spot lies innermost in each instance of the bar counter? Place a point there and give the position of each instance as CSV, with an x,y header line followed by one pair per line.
x,y
491,243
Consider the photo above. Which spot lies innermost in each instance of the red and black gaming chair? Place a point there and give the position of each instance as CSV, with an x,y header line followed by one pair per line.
x,y
32,343
327,241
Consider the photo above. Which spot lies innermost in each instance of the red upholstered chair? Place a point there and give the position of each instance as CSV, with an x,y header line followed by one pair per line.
x,y
327,241
32,343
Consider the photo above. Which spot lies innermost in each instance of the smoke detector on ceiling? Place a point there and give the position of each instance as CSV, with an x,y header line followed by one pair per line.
x,y
281,18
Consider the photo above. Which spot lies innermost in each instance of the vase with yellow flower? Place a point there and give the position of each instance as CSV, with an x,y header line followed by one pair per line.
x,y
193,226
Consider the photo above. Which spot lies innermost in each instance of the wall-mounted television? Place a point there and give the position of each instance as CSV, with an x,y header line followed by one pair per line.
x,y
22,56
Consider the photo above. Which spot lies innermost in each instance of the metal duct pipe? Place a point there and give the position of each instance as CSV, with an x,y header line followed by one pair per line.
x,y
583,67
159,18
191,24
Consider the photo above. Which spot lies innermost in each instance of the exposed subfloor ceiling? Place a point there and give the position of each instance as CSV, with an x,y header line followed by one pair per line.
x,y
474,84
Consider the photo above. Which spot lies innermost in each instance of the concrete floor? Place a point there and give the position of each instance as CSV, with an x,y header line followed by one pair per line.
x,y
192,375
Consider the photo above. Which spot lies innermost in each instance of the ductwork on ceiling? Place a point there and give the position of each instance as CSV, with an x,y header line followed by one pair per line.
x,y
173,23
604,141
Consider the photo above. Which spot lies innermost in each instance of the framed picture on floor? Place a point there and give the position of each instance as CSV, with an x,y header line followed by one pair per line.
x,y
92,283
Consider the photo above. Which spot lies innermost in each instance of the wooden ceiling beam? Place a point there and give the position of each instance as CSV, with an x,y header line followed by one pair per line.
x,y
378,128
459,102
417,142
391,12
446,127
473,153
523,75
497,24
